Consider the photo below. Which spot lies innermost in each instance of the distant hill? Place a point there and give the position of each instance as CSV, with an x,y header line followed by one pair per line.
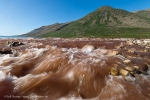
x,y
144,13
46,29
103,22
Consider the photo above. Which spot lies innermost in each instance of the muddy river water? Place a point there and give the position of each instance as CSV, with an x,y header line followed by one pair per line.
x,y
76,69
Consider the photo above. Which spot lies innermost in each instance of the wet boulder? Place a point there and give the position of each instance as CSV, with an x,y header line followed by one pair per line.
x,y
136,67
129,42
6,51
114,71
14,43
131,69
124,72
143,72
127,61
114,53
88,48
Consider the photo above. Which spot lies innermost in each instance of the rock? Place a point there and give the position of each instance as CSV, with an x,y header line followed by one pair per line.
x,y
132,74
145,67
114,71
121,46
129,43
145,50
88,48
124,72
138,42
131,69
12,43
30,38
127,61
136,67
17,43
48,46
114,53
137,72
148,66
143,72
5,51
135,52
131,50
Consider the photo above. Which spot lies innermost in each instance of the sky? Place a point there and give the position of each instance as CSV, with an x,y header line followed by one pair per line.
x,y
22,16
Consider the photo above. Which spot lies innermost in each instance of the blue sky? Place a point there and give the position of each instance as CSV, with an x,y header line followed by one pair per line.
x,y
22,16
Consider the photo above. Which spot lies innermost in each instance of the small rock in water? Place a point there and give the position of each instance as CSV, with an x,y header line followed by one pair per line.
x,y
12,43
137,72
136,67
114,52
127,61
88,48
131,50
143,72
114,71
5,51
124,72
129,43
145,67
131,69
148,66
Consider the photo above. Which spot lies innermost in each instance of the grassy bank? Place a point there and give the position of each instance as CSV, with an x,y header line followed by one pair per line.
x,y
104,32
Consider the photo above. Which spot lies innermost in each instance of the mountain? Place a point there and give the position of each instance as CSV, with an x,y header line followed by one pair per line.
x,y
46,29
106,22
108,16
144,13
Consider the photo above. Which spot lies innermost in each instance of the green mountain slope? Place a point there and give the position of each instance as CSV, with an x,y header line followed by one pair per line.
x,y
46,29
106,22
144,13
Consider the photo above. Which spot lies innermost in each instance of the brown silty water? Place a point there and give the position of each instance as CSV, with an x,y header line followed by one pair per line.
x,y
62,69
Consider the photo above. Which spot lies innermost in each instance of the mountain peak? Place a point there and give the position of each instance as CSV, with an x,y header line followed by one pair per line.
x,y
105,8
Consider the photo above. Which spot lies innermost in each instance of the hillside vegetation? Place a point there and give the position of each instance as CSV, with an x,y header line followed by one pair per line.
x,y
46,29
106,22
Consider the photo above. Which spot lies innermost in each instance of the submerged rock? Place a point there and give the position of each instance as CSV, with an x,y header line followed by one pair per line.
x,y
143,72
136,67
114,71
127,61
124,72
13,44
88,48
114,52
131,69
5,51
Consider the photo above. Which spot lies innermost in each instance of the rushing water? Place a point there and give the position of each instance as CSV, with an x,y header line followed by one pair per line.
x,y
68,73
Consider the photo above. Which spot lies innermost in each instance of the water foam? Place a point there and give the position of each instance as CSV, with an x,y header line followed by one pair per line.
x,y
80,72
3,76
